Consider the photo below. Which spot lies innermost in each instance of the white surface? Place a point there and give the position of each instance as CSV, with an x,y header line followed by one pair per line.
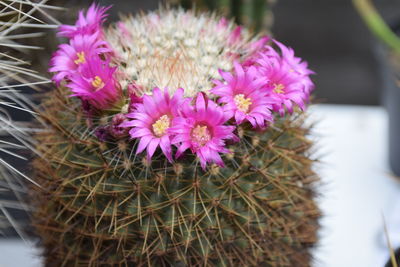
x,y
357,189
16,253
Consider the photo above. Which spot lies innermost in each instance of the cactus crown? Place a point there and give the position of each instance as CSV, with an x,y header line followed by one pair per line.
x,y
224,181
174,49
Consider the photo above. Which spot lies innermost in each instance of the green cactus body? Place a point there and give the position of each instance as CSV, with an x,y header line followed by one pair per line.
x,y
103,205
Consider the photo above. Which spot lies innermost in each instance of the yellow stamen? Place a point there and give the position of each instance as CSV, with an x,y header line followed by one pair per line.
x,y
161,125
97,83
201,134
278,88
242,103
81,58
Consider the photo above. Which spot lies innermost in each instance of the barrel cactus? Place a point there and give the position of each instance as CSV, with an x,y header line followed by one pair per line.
x,y
174,139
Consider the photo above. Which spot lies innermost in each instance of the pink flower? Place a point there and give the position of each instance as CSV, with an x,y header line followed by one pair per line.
x,y
95,83
297,65
201,128
286,85
86,24
152,119
253,49
243,96
70,57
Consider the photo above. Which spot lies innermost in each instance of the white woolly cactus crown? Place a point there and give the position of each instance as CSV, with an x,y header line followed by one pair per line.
x,y
176,49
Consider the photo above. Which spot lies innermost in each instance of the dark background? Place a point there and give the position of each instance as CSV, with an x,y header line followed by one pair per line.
x,y
337,44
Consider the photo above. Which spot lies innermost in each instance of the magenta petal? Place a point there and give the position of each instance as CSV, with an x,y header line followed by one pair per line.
x,y
239,117
182,148
200,103
151,148
165,145
203,162
240,74
217,159
139,132
144,141
126,124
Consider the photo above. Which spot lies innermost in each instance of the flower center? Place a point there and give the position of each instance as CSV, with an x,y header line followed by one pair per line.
x,y
97,83
242,103
81,58
201,134
278,88
161,125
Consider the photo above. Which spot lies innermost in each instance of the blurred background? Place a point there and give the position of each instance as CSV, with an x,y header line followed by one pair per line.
x,y
359,118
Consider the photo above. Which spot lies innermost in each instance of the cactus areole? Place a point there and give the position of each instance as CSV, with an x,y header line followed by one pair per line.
x,y
174,139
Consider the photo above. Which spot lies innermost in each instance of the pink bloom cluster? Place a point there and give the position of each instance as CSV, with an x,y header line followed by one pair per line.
x,y
196,124
84,62
288,77
267,81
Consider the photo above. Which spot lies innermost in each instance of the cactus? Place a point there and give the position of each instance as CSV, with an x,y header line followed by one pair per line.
x,y
254,14
103,202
